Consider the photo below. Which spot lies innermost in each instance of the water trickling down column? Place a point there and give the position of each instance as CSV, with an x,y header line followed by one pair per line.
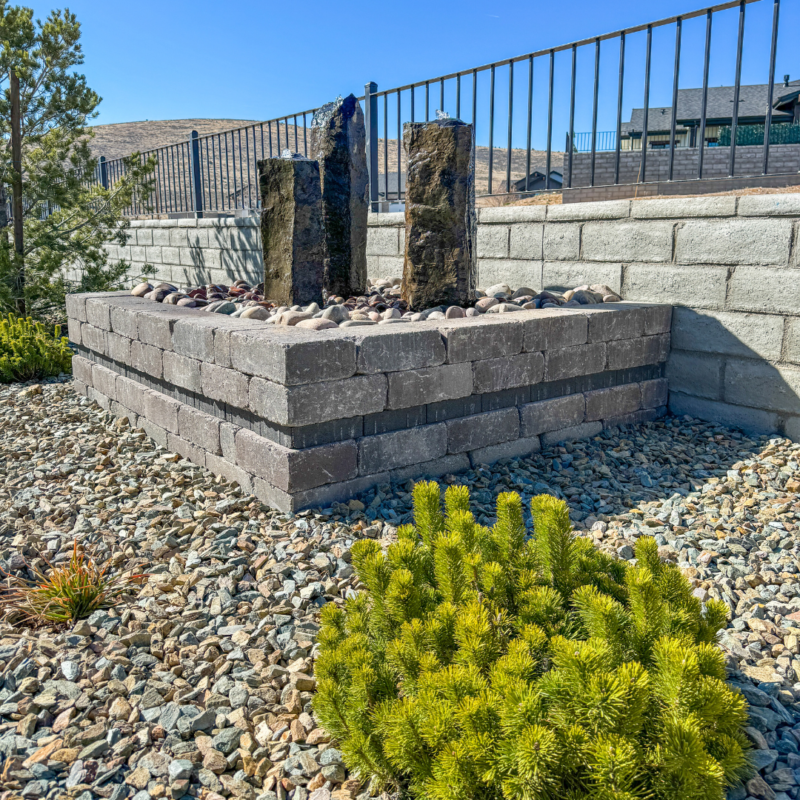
x,y
440,254
292,229
338,143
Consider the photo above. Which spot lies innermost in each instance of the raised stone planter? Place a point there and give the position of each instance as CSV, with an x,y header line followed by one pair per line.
x,y
303,418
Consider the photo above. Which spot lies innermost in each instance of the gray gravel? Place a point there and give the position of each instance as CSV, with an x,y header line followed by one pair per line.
x,y
202,685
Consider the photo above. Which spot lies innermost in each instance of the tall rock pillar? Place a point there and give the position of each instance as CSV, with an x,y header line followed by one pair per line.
x,y
338,143
440,254
292,229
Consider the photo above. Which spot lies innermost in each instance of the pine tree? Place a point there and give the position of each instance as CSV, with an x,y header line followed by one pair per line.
x,y
479,663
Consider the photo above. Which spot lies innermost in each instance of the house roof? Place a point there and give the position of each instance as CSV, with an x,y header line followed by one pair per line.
x,y
752,104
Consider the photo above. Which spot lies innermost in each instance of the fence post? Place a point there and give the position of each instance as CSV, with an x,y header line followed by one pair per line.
x,y
197,183
103,172
371,124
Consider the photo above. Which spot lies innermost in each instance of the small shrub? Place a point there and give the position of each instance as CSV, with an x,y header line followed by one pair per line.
x,y
480,664
66,593
28,351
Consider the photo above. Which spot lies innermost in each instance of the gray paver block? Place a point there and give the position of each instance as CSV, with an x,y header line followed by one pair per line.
x,y
569,362
74,330
182,371
734,241
636,417
226,385
192,339
94,339
400,448
82,369
199,428
104,380
495,374
774,387
119,348
430,385
132,395
512,449
156,329
554,330
525,241
562,243
191,452
627,353
493,241
395,350
655,393
761,289
99,398
479,338
219,466
551,415
98,314
147,358
627,241
611,321
583,431
698,287
161,409
749,419
695,374
457,462
482,430
612,402
155,432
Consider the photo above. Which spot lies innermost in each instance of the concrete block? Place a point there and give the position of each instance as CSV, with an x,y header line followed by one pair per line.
x,y
791,428
230,472
477,338
194,338
482,430
562,243
94,338
762,385
156,433
654,393
384,267
584,431
104,381
155,328
627,241
319,497
551,415
309,404
608,209
79,387
796,247
132,395
383,242
769,205
98,313
698,287
509,214
160,409
391,350
226,385
792,349
161,236
569,362
144,236
76,306
612,402
120,412
400,448
734,241
430,385
74,330
627,353
292,359
657,319
458,462
762,289
171,255
726,333
82,370
514,272
191,452
570,274
525,242
735,416
147,359
227,440
611,321
552,329
182,371
125,321
199,428
678,208
119,348
493,242
99,398
518,448
494,374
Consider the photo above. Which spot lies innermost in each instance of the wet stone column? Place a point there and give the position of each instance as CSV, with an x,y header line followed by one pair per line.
x,y
338,143
440,254
292,229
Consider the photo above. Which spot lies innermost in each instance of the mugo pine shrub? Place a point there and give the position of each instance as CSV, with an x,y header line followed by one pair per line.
x,y
479,665
28,351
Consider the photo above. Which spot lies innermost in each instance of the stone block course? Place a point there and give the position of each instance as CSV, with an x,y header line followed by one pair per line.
x,y
778,386
765,290
482,430
194,339
74,330
430,385
119,348
94,338
155,328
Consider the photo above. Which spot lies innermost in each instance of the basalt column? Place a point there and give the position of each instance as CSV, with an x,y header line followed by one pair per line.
x,y
292,229
338,142
440,255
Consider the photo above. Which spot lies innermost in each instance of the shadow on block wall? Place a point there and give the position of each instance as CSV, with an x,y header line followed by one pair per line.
x,y
736,369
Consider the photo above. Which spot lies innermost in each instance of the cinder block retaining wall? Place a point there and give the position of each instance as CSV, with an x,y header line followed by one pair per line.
x,y
303,418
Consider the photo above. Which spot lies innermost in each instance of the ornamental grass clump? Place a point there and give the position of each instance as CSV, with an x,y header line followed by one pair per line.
x,y
481,664
28,351
65,593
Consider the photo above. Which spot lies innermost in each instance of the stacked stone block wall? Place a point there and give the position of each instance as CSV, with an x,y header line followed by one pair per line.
x,y
303,418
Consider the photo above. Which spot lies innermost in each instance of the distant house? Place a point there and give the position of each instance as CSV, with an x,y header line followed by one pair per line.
x,y
537,181
719,113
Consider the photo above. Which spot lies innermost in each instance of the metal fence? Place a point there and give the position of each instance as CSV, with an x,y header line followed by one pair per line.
x,y
217,173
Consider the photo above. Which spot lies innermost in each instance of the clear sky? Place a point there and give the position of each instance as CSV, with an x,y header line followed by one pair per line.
x,y
256,59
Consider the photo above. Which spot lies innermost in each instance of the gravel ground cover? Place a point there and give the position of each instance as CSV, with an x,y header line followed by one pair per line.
x,y
202,685
381,305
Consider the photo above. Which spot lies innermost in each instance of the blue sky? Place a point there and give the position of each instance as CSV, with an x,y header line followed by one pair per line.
x,y
250,59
